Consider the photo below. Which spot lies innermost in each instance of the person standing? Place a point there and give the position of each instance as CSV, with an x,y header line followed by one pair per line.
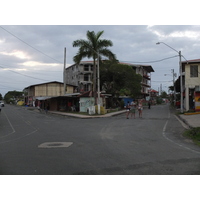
x,y
133,109
46,107
127,110
140,108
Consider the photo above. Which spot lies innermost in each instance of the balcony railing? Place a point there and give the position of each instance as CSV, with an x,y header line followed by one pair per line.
x,y
146,76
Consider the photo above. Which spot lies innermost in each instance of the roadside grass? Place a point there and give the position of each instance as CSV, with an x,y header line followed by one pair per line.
x,y
193,134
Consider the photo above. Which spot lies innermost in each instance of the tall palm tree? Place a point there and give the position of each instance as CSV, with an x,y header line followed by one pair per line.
x,y
90,48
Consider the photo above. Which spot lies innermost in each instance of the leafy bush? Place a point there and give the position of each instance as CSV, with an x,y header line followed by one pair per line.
x,y
194,134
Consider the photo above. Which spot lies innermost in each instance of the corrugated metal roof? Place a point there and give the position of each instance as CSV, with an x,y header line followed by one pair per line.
x,y
44,83
192,61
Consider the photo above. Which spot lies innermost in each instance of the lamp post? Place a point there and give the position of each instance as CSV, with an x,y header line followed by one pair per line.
x,y
180,71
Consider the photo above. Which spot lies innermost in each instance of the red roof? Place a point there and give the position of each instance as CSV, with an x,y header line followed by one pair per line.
x,y
154,91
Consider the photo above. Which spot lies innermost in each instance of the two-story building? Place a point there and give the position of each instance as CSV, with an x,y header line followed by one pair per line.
x,y
191,84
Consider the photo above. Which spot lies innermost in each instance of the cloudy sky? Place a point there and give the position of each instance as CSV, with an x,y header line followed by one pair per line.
x,y
32,51
31,54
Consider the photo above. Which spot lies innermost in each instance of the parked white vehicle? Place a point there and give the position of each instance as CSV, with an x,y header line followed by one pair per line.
x,y
1,104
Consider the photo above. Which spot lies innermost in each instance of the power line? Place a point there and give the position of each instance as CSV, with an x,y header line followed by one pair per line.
x,y
151,61
29,44
24,74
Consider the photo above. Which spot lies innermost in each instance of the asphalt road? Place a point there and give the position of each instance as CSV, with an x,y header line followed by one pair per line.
x,y
32,143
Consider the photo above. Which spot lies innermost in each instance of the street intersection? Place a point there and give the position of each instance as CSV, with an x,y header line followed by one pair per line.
x,y
33,143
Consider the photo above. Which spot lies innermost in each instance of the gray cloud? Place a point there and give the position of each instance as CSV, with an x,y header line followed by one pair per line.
x,y
133,43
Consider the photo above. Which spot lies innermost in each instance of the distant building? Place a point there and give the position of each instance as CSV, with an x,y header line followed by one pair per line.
x,y
81,74
145,72
153,93
45,91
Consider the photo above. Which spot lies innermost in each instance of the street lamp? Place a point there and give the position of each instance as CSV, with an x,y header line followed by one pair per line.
x,y
180,71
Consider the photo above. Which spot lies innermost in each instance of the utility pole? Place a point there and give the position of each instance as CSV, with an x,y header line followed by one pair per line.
x,y
161,89
181,81
174,75
64,72
180,70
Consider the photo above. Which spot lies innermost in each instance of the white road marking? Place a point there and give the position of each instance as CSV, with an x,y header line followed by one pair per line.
x,y
180,145
13,130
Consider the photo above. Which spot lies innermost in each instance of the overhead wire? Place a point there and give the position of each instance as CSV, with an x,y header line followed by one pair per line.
x,y
135,62
24,74
29,45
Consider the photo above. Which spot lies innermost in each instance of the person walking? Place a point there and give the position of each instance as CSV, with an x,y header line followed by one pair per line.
x,y
149,104
140,108
133,109
127,110
39,106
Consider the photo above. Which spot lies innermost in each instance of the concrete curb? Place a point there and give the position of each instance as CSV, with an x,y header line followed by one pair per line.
x,y
196,113
87,116
183,122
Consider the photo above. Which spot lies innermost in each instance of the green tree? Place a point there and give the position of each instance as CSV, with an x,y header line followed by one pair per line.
x,y
118,79
11,96
90,48
163,94
1,96
171,88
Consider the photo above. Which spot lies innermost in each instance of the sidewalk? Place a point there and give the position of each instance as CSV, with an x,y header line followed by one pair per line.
x,y
88,116
192,120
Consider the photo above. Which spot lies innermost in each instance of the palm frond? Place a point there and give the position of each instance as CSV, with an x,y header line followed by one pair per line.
x,y
107,53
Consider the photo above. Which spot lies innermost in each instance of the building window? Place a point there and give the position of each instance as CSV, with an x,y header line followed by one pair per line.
x,y
86,87
86,68
86,77
194,71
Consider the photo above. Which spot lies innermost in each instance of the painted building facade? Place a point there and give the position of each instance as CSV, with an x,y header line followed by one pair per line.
x,y
191,84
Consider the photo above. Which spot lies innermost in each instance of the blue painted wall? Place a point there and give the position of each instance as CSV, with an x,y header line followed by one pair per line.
x,y
126,100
